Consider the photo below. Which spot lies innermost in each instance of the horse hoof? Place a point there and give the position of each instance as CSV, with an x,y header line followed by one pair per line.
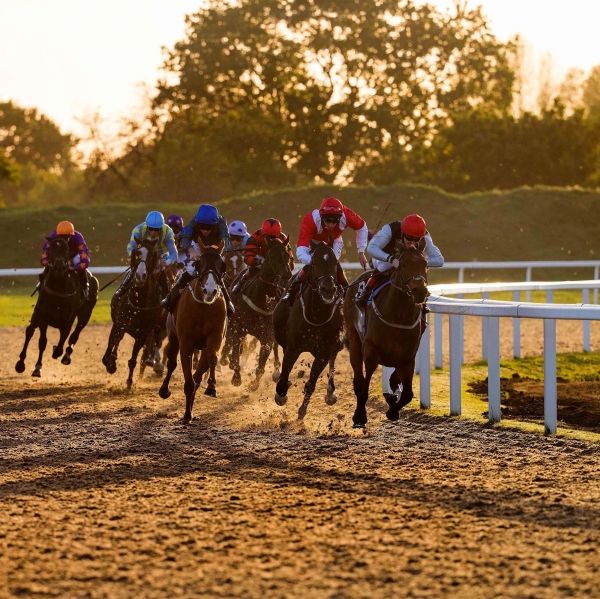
x,y
359,420
302,412
20,366
187,419
280,400
66,360
129,384
164,393
359,425
56,352
210,392
276,375
331,399
392,415
37,373
254,385
236,380
159,369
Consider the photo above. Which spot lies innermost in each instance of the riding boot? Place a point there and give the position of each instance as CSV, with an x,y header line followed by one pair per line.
x,y
170,301
363,296
292,292
41,277
84,283
230,308
124,285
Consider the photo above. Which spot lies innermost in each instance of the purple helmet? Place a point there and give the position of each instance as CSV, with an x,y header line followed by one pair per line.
x,y
175,222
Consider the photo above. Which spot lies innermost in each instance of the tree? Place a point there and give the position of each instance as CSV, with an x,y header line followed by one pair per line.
x,y
591,92
326,88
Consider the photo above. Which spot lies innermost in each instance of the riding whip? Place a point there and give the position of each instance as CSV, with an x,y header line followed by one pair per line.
x,y
384,213
110,282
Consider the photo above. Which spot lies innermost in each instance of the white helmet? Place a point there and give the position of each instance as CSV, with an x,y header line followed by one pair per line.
x,y
237,227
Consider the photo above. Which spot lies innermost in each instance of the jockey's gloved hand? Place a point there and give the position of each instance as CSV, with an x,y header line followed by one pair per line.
x,y
258,261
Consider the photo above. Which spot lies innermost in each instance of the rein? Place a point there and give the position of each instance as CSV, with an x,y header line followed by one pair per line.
x,y
56,293
394,324
336,304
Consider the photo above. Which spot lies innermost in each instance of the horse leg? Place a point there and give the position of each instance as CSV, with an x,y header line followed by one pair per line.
x,y
317,368
110,355
225,351
29,331
234,360
263,356
331,396
211,360
37,372
57,350
356,361
82,320
189,385
359,418
132,363
276,362
290,355
406,377
171,352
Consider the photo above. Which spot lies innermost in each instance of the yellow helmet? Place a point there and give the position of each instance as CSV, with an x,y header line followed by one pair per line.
x,y
65,228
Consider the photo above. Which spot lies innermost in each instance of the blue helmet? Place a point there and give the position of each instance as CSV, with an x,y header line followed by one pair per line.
x,y
155,220
207,215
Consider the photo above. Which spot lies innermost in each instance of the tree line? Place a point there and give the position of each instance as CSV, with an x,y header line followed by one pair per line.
x,y
266,94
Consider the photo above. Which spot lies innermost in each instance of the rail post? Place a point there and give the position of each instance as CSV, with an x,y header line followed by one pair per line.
x,y
550,408
516,328
425,375
586,324
455,365
596,277
528,279
493,353
484,332
438,342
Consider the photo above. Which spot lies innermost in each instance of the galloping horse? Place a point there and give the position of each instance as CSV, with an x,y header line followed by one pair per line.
x,y
137,310
58,304
254,310
234,263
198,322
391,333
314,324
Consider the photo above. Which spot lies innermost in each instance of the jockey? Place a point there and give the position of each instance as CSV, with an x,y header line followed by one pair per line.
x,y
78,251
154,227
211,228
256,248
176,223
238,236
410,232
331,219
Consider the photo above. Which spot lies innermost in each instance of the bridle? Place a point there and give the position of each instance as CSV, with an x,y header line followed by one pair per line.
x,y
64,268
405,288
209,269
315,283
274,268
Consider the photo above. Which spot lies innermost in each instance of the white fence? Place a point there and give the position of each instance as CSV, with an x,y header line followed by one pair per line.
x,y
491,311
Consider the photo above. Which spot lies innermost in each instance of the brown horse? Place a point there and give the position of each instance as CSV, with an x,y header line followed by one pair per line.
x,y
198,322
391,333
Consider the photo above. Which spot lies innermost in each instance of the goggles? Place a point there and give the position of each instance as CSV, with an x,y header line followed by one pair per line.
x,y
155,229
236,237
411,238
331,219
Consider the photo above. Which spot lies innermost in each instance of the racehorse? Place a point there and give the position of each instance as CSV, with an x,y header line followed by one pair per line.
x,y
58,304
314,324
391,333
136,311
234,263
198,322
254,310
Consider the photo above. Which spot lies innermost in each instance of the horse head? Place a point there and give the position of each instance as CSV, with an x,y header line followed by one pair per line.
x,y
412,274
143,260
323,269
209,270
277,260
58,255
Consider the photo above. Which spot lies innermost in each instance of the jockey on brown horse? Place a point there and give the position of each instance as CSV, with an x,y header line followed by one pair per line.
x,y
330,219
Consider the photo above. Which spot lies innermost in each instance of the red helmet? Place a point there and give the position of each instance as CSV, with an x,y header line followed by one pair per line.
x,y
271,227
331,207
414,225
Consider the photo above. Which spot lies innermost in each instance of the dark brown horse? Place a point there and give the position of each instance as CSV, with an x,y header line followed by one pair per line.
x,y
59,304
198,322
314,324
391,333
136,311
254,311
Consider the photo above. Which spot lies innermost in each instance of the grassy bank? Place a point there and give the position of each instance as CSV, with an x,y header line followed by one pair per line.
x,y
523,224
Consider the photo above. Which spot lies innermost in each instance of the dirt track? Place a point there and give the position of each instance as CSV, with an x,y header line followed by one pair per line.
x,y
106,494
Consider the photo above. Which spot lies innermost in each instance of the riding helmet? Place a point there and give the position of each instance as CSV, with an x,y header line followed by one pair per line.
x,y
331,207
65,228
414,225
207,215
237,227
155,220
271,227
175,222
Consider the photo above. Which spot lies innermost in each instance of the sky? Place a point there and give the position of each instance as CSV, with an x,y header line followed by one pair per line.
x,y
72,57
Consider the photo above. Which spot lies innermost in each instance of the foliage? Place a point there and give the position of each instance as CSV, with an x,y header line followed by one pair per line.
x,y
591,92
484,150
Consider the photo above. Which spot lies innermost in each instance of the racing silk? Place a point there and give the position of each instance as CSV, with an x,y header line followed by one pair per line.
x,y
257,246
312,228
78,251
191,232
165,246
383,244
240,247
